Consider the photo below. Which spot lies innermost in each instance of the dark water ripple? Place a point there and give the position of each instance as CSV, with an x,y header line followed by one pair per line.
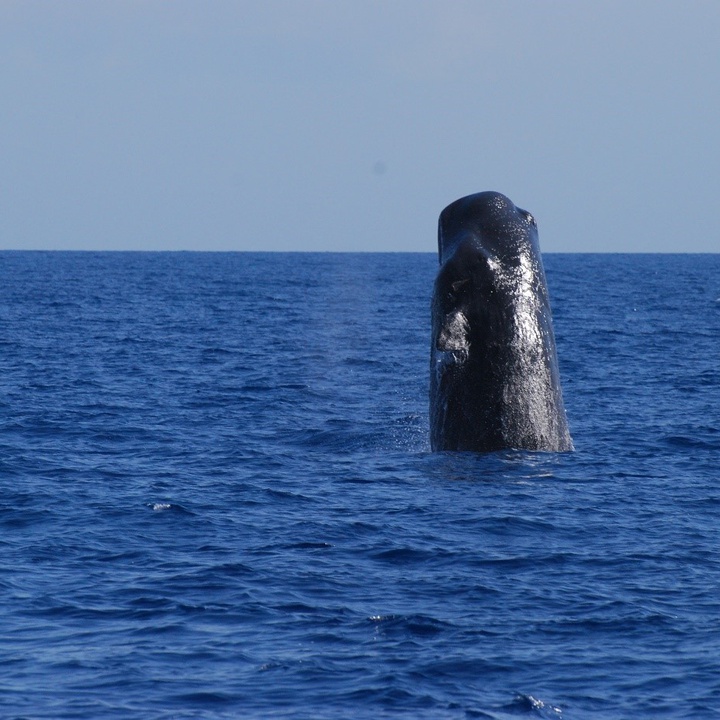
x,y
218,499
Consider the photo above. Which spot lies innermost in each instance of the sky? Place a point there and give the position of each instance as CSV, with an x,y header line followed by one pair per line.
x,y
347,125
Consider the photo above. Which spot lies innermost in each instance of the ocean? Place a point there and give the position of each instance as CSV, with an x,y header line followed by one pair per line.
x,y
218,498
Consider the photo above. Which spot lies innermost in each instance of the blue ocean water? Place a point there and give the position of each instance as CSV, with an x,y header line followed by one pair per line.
x,y
218,499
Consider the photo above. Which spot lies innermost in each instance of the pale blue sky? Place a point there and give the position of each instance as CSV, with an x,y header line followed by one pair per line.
x,y
349,125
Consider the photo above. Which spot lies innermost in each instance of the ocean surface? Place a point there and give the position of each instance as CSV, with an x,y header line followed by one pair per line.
x,y
218,500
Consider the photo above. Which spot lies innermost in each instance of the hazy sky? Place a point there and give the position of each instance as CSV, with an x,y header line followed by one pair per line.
x,y
350,124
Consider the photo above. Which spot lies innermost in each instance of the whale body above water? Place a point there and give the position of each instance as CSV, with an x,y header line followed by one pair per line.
x,y
494,380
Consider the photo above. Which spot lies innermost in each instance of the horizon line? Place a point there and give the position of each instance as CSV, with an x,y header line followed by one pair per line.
x,y
345,252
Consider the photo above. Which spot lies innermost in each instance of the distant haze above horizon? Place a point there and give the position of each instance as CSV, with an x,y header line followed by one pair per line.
x,y
329,125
